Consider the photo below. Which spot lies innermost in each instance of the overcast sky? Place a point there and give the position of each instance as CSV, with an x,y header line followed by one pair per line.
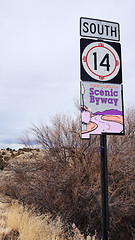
x,y
39,58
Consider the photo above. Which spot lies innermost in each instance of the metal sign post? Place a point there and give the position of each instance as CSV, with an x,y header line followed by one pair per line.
x,y
104,186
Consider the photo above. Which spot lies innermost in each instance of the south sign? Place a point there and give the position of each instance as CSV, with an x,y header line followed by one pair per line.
x,y
100,61
95,28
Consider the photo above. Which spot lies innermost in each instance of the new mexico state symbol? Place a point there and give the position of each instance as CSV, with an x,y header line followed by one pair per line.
x,y
101,61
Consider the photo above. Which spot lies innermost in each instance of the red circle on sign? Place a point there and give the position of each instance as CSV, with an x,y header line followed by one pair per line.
x,y
90,68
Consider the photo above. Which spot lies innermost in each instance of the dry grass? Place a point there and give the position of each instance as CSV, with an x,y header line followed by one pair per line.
x,y
31,226
4,230
20,223
24,224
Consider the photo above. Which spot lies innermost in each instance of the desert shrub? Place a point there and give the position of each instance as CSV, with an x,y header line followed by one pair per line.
x,y
3,153
22,150
3,161
8,149
53,187
66,182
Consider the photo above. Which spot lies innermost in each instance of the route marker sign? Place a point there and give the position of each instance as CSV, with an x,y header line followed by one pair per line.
x,y
100,61
94,28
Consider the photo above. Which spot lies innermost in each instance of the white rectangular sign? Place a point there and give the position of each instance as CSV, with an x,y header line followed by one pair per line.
x,y
90,27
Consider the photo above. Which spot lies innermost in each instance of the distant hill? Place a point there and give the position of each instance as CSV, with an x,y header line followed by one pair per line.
x,y
109,112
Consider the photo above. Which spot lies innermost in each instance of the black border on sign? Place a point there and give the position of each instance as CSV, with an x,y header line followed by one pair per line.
x,y
105,133
84,76
103,21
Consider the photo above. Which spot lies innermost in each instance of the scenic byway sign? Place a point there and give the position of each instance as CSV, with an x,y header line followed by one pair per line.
x,y
101,108
94,28
100,61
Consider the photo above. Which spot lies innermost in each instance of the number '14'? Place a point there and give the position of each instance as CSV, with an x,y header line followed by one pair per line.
x,y
104,62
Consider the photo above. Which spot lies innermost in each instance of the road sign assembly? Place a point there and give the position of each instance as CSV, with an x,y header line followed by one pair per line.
x,y
101,92
101,67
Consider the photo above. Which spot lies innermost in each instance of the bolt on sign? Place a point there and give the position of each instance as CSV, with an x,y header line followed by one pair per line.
x,y
101,89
